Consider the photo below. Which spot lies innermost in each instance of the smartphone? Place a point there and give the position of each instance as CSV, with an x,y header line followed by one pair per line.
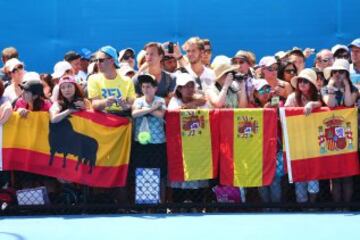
x,y
171,47
275,100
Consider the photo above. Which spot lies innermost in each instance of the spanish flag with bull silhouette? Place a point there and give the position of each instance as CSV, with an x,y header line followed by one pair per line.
x,y
323,145
89,148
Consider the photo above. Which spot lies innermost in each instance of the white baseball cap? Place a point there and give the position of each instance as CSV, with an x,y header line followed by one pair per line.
x,y
60,68
12,63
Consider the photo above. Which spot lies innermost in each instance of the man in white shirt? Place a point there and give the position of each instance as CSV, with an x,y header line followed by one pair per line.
x,y
204,76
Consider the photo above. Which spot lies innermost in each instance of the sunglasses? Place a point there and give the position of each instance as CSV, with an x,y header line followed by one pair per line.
x,y
290,71
20,67
264,91
303,80
326,60
238,61
338,71
127,57
343,56
100,60
272,68
207,51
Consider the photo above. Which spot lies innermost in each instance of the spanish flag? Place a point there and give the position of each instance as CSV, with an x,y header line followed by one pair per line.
x,y
247,147
192,144
89,148
322,145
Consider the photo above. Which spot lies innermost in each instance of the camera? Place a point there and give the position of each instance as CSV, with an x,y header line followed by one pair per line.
x,y
239,76
170,47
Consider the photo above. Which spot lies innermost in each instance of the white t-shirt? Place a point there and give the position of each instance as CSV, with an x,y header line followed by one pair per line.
x,y
207,77
10,93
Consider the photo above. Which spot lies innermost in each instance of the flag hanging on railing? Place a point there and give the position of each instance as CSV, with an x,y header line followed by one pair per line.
x,y
247,147
89,148
192,144
323,145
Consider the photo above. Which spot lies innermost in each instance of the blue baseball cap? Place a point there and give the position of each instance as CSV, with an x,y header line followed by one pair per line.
x,y
85,53
109,50
355,43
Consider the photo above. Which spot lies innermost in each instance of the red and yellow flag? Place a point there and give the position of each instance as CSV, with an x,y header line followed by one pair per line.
x,y
192,144
89,148
322,145
247,147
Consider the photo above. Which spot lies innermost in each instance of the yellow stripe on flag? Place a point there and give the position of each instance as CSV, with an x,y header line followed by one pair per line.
x,y
32,133
196,144
308,131
248,151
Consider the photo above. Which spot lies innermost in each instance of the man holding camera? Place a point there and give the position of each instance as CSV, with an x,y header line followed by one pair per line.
x,y
245,60
229,89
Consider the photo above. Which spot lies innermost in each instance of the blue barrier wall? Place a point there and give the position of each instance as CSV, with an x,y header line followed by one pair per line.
x,y
44,30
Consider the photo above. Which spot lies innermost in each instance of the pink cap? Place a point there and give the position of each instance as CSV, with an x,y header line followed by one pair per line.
x,y
67,79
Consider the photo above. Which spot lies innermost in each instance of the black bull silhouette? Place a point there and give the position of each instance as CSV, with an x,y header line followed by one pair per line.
x,y
63,139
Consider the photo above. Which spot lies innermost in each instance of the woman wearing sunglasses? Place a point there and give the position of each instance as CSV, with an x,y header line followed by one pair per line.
x,y
287,71
16,71
306,95
262,96
340,92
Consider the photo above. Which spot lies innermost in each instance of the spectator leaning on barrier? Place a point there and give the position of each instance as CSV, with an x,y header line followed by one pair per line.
x,y
61,68
166,84
204,76
340,92
32,97
185,95
108,90
7,54
272,193
71,99
269,68
324,59
149,109
355,65
16,70
185,98
227,91
306,95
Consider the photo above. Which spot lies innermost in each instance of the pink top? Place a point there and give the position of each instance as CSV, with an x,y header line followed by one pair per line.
x,y
21,103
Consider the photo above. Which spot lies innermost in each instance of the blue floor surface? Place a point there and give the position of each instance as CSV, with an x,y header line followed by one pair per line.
x,y
183,227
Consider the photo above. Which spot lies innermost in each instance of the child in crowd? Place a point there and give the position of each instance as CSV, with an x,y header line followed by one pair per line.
x,y
149,110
